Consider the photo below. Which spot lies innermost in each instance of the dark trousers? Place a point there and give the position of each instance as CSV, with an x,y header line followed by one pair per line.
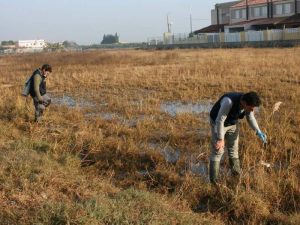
x,y
40,107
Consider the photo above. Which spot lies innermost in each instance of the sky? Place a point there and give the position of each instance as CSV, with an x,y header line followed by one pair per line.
x,y
86,21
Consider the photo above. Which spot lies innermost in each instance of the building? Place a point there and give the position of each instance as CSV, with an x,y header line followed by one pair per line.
x,y
255,15
32,44
220,16
221,13
263,15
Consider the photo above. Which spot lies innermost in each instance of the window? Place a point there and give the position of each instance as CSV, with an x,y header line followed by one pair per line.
x,y
244,13
237,14
260,11
240,14
287,8
264,11
278,9
256,12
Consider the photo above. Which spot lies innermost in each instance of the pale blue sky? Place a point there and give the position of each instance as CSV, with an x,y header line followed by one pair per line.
x,y
86,21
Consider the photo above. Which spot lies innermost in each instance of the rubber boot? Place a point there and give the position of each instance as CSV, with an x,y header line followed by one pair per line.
x,y
214,171
235,166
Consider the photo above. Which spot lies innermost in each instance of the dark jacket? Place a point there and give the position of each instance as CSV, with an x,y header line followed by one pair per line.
x,y
235,112
42,84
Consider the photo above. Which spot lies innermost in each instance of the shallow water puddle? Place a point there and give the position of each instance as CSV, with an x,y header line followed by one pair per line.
x,y
175,108
192,163
197,166
69,101
170,154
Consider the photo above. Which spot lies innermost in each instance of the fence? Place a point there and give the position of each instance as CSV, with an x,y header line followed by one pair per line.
x,y
238,37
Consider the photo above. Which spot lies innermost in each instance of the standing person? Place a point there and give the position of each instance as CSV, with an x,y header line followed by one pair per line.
x,y
38,90
224,117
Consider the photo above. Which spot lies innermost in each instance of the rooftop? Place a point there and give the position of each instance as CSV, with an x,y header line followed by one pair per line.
x,y
288,21
227,4
252,2
211,29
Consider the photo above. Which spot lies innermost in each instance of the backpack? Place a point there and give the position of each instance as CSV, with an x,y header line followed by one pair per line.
x,y
26,89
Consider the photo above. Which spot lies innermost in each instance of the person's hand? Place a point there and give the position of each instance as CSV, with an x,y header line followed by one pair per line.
x,y
262,136
219,144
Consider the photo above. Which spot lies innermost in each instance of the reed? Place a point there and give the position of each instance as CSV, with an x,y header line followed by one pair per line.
x,y
109,158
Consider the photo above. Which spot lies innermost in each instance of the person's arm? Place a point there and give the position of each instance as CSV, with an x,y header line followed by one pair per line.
x,y
226,105
252,121
253,124
37,81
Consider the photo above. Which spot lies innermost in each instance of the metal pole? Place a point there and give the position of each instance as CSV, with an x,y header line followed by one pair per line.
x,y
247,10
271,7
217,9
268,9
191,23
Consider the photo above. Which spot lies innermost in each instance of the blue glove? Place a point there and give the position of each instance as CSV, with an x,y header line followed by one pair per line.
x,y
262,136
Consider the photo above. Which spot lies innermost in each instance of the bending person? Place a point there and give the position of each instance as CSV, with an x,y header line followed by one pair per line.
x,y
224,117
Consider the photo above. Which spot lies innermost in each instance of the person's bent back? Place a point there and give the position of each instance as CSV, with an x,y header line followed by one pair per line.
x,y
38,90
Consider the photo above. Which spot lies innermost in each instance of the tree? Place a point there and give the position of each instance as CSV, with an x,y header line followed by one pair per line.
x,y
110,39
70,44
10,42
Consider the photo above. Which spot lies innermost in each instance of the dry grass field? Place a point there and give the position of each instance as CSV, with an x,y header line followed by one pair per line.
x,y
126,140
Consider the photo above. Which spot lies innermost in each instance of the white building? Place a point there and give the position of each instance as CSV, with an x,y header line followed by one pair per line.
x,y
33,44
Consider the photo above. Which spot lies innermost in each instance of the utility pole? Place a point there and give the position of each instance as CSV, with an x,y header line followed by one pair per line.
x,y
191,20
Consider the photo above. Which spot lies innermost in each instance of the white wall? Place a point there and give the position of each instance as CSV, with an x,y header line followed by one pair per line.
x,y
39,44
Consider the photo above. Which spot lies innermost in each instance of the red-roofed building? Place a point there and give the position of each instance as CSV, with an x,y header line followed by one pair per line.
x,y
252,2
256,15
262,14
220,16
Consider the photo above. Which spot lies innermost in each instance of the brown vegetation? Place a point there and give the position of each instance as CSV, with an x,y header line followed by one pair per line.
x,y
116,157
